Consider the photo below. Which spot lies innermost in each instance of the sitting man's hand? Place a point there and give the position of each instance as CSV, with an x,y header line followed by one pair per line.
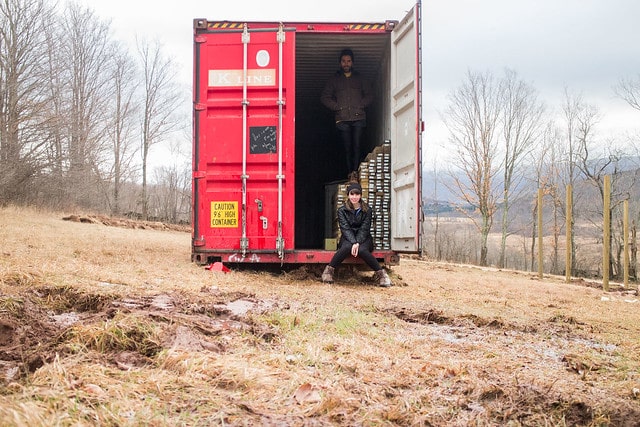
x,y
354,249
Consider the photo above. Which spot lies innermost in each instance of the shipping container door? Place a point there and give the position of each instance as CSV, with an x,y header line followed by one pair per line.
x,y
406,134
244,156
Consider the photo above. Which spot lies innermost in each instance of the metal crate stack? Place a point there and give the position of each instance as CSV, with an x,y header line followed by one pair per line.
x,y
374,175
375,178
341,197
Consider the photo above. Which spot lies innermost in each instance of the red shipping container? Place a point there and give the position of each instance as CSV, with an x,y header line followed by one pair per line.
x,y
263,147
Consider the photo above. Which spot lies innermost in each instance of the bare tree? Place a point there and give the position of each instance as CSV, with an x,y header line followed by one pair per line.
x,y
472,118
121,130
437,251
161,99
67,98
54,88
172,190
521,117
539,179
610,163
22,102
571,109
551,173
84,53
629,90
594,160
432,211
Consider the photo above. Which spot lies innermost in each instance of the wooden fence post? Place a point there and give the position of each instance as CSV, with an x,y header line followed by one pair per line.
x,y
569,220
626,243
606,235
540,253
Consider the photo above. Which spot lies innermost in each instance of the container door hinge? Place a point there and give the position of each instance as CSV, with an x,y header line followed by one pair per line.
x,y
280,242
246,37
281,34
199,107
244,245
199,174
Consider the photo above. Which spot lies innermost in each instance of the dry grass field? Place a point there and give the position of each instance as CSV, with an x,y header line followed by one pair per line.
x,y
105,323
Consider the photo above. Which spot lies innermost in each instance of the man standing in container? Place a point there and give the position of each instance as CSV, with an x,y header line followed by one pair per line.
x,y
347,94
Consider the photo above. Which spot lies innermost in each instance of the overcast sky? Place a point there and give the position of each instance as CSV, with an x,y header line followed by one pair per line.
x,y
584,45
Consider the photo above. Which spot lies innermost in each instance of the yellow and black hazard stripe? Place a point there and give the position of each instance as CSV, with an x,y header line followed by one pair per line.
x,y
202,24
224,25
366,27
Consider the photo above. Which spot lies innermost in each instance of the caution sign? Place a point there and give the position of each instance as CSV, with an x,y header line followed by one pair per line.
x,y
224,214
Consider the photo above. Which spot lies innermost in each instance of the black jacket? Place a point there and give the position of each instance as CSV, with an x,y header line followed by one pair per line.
x,y
355,226
347,97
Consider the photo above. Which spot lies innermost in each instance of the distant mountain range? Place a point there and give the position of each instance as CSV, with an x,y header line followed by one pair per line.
x,y
439,196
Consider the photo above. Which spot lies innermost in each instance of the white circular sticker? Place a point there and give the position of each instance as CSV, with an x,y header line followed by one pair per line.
x,y
262,58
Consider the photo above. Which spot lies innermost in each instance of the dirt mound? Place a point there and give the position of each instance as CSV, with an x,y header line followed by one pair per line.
x,y
126,223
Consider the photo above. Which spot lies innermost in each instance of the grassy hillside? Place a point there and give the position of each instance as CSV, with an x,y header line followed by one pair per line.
x,y
109,323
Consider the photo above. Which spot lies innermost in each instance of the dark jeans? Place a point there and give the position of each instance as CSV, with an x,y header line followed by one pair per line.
x,y
350,134
364,252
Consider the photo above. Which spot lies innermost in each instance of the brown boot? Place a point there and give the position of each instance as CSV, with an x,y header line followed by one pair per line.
x,y
327,274
382,278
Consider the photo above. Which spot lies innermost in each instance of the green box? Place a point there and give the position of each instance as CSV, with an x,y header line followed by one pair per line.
x,y
330,244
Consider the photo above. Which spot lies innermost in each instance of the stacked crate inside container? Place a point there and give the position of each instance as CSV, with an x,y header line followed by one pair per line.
x,y
375,171
375,178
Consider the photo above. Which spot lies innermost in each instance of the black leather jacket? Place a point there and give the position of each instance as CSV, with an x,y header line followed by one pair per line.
x,y
355,226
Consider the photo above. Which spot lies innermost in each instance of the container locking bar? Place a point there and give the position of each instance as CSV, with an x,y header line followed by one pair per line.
x,y
280,177
244,241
